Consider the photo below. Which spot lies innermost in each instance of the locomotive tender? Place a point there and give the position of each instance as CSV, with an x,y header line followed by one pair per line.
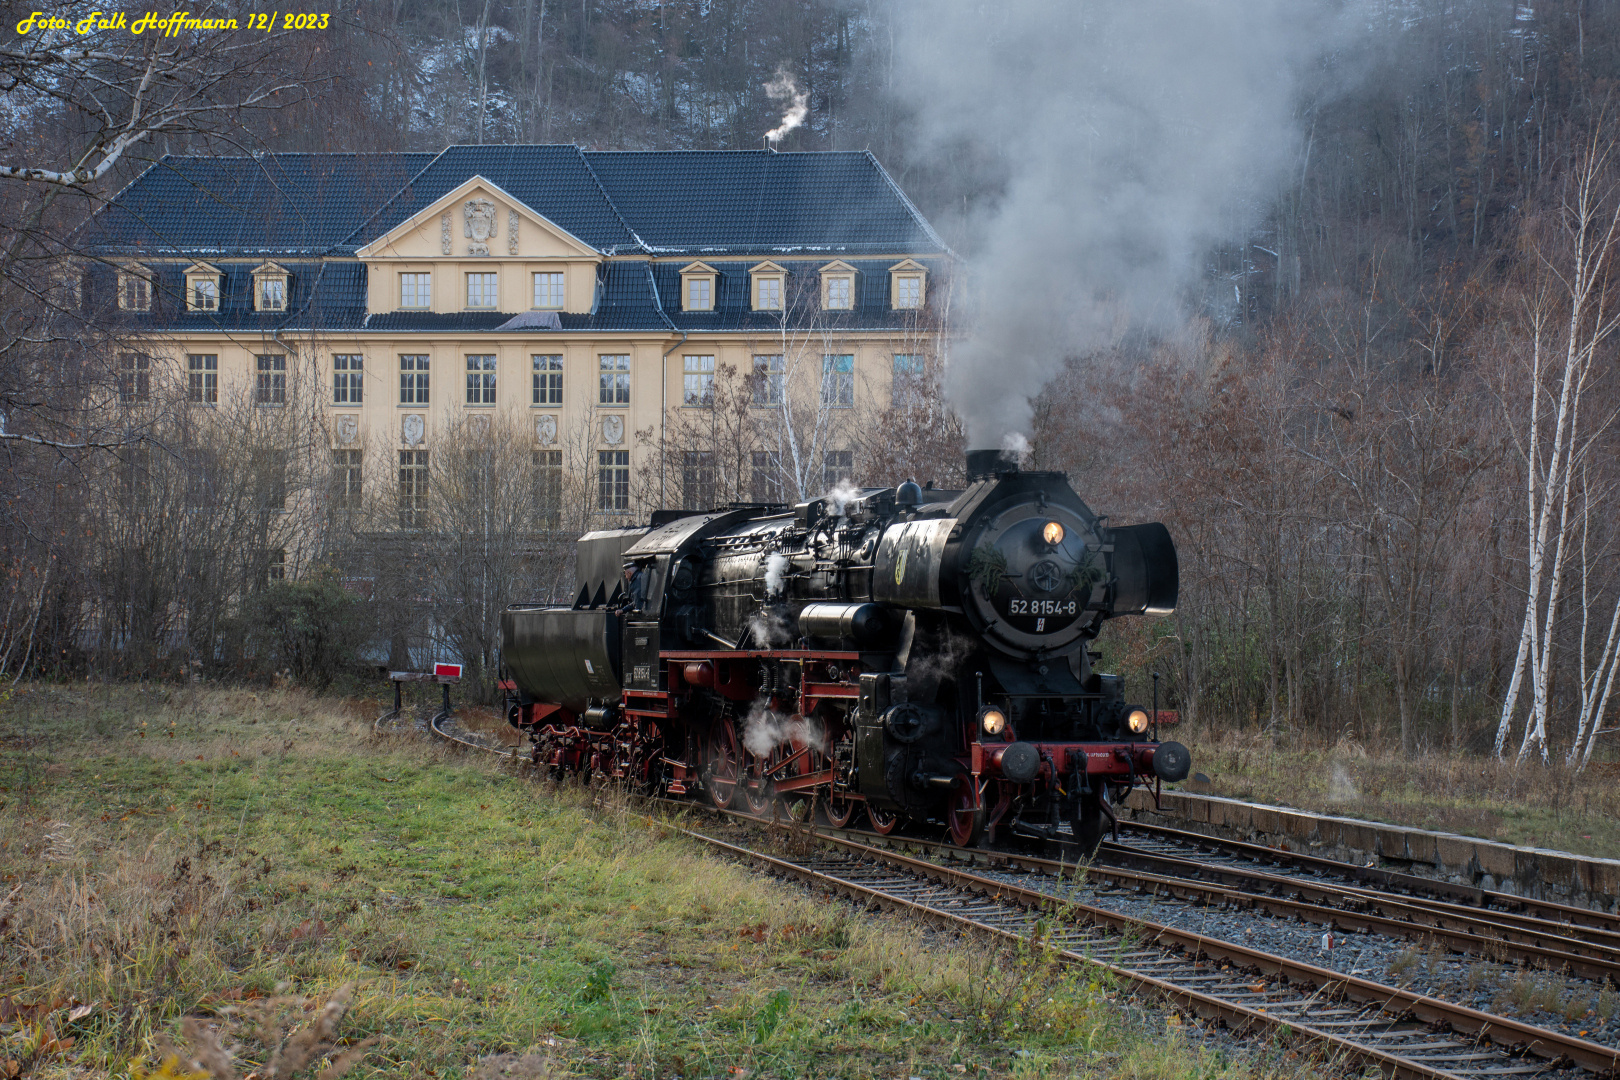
x,y
914,653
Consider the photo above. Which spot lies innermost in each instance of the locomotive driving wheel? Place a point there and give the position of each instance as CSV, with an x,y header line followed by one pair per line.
x,y
840,808
760,798
725,765
883,822
964,814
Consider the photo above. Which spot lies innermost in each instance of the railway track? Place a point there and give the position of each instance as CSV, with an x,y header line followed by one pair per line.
x,y
1356,1020
1399,1031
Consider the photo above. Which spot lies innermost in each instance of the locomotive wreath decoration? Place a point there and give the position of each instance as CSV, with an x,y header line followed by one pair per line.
x,y
913,654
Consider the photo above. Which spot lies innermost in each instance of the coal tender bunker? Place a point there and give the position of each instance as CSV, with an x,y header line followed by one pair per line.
x,y
910,654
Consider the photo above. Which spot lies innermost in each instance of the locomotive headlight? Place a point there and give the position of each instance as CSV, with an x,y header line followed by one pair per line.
x,y
1137,721
993,721
1053,533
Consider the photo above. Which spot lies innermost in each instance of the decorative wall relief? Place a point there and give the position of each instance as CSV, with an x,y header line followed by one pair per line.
x,y
478,425
480,224
412,428
613,430
511,232
347,429
545,429
444,234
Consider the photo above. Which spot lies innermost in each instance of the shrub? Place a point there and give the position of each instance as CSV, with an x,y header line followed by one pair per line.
x,y
313,628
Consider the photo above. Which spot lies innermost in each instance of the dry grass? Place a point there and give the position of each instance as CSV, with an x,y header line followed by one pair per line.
x,y
1543,806
221,883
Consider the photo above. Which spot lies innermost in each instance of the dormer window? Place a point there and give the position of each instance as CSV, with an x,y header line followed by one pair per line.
x,y
906,285
270,288
202,287
135,289
767,282
698,287
838,286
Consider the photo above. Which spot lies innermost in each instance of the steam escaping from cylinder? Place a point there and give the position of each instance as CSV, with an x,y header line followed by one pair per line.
x,y
765,729
1117,143
784,88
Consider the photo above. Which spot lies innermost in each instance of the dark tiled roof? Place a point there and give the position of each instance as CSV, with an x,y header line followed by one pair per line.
x,y
758,202
699,202
554,181
281,203
321,295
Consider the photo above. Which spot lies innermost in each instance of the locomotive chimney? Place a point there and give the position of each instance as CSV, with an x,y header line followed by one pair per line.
x,y
985,464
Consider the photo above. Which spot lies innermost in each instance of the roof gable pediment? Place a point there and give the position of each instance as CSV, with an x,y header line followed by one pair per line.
x,y
476,219
766,267
838,266
908,266
698,268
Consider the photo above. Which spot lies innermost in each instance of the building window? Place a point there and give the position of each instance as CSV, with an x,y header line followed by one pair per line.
x,y
269,478
613,480
765,479
548,290
909,387
271,385
700,294
413,380
840,292
413,488
347,371
697,479
416,291
480,380
548,372
346,479
275,566
837,467
838,380
202,288
769,375
548,488
134,471
134,379
202,379
481,290
698,391
202,479
908,291
134,291
270,288
614,388
768,294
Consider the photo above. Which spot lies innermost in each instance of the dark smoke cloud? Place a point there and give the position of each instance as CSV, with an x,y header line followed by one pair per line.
x,y
1129,136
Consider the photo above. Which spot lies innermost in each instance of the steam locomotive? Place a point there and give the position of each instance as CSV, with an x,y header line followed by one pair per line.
x,y
906,652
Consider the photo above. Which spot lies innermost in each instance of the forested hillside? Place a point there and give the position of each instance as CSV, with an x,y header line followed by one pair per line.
x,y
1376,405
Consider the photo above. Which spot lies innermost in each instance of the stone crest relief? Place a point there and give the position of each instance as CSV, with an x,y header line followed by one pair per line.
x,y
545,429
444,234
479,215
511,232
412,428
613,430
347,429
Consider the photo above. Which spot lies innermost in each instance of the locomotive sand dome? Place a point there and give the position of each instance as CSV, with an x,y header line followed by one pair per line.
x,y
914,653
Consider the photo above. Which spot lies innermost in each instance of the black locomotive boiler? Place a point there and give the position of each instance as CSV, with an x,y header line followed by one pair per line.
x,y
911,653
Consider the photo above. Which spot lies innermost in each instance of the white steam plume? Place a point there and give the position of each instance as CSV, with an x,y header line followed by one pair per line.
x,y
776,568
843,495
1128,136
764,730
784,88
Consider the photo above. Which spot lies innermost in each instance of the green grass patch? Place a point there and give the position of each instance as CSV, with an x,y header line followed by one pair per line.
x,y
239,858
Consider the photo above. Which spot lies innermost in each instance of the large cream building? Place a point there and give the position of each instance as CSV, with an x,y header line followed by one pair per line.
x,y
586,296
